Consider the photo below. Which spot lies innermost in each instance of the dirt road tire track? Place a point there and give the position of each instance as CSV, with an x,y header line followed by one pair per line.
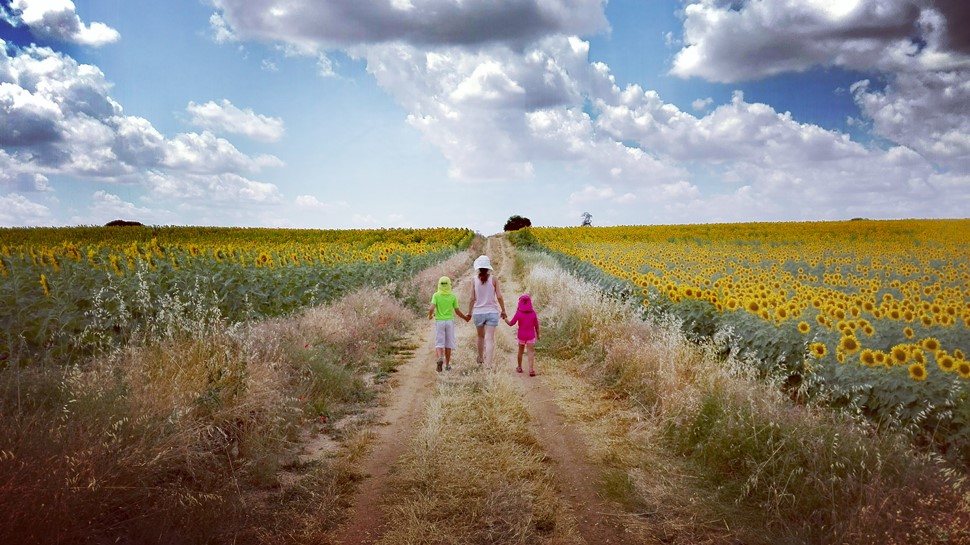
x,y
577,476
406,403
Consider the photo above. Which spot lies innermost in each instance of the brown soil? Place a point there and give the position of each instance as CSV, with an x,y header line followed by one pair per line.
x,y
577,477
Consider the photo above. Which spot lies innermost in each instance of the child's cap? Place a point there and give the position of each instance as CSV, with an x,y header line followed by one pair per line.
x,y
444,284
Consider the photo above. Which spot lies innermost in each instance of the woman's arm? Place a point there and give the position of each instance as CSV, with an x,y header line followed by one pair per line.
x,y
471,297
498,297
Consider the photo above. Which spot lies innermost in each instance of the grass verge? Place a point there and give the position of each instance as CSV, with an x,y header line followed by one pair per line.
x,y
192,432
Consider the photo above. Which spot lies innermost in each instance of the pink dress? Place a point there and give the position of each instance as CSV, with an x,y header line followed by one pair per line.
x,y
528,323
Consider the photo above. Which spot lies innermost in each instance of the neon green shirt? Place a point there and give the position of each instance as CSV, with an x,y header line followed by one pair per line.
x,y
444,305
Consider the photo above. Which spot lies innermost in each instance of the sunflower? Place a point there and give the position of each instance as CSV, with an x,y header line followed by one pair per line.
x,y
917,372
908,331
753,306
963,367
946,362
931,344
867,357
849,344
803,327
918,356
45,285
899,355
879,356
817,350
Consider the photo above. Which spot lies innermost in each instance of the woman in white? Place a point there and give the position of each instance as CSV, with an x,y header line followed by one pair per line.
x,y
486,307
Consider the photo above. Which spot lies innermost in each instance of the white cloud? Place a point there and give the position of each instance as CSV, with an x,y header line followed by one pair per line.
x,y
702,103
106,207
226,117
338,23
591,194
57,20
19,211
730,42
309,202
58,118
370,221
929,112
225,188
920,47
221,32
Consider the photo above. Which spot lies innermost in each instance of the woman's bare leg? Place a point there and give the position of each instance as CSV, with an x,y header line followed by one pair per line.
x,y
489,344
481,344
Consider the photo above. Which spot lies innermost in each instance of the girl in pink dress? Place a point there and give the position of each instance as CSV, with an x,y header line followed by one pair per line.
x,y
528,334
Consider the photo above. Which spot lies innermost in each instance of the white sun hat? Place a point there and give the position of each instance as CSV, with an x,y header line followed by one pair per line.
x,y
482,262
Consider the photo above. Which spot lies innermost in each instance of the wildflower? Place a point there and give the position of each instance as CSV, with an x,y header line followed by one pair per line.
x,y
917,372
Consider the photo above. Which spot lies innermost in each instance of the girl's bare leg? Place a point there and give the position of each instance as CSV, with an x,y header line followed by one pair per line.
x,y
532,358
519,357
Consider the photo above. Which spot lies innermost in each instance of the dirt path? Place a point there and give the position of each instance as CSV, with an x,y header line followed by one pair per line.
x,y
578,478
406,403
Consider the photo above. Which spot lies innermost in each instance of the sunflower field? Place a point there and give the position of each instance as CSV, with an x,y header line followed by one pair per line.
x,y
66,292
869,316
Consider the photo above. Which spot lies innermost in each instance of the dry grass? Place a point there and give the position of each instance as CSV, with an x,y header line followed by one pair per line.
x,y
706,454
179,438
474,473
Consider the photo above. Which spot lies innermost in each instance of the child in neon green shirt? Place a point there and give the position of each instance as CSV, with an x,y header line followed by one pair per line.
x,y
444,306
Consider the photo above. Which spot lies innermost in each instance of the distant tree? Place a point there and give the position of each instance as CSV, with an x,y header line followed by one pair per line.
x,y
587,219
123,223
517,222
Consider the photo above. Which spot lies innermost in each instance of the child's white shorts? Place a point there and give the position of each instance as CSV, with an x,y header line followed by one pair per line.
x,y
444,334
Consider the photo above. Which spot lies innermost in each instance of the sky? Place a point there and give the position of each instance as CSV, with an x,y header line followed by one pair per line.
x,y
334,114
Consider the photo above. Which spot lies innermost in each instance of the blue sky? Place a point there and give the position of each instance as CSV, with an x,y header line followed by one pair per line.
x,y
414,113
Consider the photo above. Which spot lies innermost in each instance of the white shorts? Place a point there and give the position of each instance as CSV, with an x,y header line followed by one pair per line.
x,y
444,334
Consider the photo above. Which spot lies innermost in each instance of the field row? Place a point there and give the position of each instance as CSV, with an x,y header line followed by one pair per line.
x,y
69,292
873,315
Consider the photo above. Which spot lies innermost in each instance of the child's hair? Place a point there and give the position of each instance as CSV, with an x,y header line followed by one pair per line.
x,y
483,275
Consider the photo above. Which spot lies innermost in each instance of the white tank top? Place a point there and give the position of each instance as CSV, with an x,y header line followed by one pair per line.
x,y
485,301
